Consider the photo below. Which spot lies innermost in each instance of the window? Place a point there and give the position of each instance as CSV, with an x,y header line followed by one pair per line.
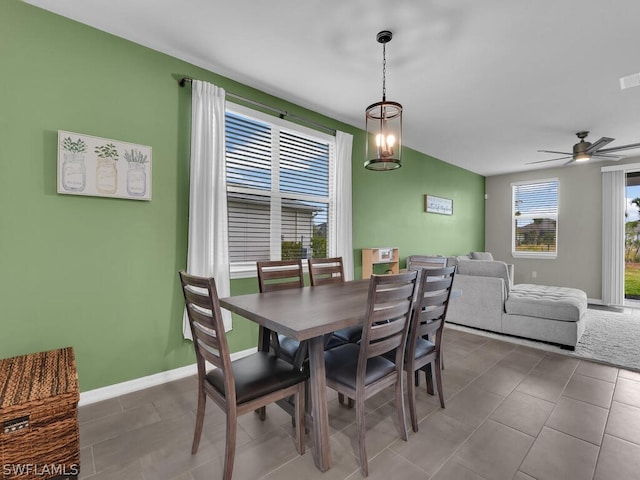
x,y
535,218
279,189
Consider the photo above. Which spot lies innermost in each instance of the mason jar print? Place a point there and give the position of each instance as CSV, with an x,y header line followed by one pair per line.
x,y
106,176
74,172
106,172
136,173
136,179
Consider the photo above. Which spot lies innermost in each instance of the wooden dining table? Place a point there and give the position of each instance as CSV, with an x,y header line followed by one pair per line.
x,y
307,314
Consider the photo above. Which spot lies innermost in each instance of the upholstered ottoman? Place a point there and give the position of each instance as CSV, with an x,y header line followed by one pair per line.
x,y
550,314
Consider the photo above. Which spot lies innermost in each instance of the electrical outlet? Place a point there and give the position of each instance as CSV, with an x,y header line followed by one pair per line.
x,y
534,274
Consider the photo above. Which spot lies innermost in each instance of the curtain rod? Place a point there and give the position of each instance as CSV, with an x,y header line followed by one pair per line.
x,y
281,113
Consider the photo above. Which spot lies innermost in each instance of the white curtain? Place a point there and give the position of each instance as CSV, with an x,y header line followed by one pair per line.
x,y
342,234
208,250
613,209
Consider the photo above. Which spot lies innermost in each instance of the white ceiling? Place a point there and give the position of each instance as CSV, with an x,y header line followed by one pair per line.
x,y
484,84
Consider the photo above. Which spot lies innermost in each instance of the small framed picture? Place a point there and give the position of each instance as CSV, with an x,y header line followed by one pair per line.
x,y
442,206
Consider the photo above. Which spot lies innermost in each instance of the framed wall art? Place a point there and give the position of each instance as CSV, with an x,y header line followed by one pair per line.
x,y
443,206
103,167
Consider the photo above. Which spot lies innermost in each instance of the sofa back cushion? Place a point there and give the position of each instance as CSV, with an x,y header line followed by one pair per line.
x,y
481,256
486,268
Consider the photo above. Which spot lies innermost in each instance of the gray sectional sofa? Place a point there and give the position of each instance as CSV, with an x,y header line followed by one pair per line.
x,y
490,301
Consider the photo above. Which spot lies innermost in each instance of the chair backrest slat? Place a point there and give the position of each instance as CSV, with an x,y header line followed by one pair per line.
x,y
430,309
325,270
386,323
279,275
418,262
207,328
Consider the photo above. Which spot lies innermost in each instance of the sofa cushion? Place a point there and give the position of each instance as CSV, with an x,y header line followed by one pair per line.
x,y
542,301
486,268
481,256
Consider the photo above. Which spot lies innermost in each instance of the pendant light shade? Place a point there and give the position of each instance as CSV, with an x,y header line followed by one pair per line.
x,y
384,125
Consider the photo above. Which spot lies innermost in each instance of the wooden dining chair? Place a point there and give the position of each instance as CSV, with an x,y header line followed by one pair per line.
x,y
276,275
361,371
418,262
324,271
424,348
237,387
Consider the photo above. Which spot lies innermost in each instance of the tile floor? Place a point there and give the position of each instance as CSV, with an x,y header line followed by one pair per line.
x,y
512,412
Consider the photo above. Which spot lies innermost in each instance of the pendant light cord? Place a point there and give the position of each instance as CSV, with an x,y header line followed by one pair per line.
x,y
384,72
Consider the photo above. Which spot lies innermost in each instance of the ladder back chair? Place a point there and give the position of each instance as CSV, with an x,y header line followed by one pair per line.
x,y
281,275
361,371
424,348
324,271
237,387
418,262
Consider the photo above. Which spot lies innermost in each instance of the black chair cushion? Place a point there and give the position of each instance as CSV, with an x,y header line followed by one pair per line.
x,y
349,334
288,347
423,347
333,342
341,365
257,375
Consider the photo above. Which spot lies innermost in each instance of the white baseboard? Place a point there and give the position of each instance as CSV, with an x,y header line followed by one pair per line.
x,y
111,391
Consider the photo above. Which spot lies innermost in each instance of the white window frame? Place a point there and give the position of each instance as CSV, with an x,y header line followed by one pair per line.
x,y
248,269
538,255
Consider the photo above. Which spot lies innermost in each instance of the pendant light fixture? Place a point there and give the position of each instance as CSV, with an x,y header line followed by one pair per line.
x,y
384,124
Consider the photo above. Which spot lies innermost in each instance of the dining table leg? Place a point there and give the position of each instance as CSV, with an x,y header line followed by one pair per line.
x,y
319,410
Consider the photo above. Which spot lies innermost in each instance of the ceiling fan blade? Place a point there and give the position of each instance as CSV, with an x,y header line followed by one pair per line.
x,y
598,144
569,162
552,151
550,160
605,156
621,147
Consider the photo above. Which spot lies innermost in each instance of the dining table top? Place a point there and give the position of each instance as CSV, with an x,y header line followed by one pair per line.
x,y
304,313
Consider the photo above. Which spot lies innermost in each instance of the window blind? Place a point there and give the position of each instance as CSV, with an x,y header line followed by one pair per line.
x,y
535,217
278,190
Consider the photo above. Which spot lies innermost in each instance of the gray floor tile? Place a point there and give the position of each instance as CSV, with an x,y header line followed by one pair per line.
x,y
382,431
558,456
499,380
590,390
455,471
629,374
147,435
343,465
472,405
624,422
618,460
556,365
597,370
494,451
546,387
627,391
579,419
97,410
438,437
523,412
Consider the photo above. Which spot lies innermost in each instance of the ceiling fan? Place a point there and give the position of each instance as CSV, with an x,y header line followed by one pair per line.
x,y
584,151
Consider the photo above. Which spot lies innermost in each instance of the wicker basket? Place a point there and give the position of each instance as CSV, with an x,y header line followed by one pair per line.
x,y
39,416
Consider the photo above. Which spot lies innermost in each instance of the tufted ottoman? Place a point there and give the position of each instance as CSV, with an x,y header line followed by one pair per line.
x,y
551,314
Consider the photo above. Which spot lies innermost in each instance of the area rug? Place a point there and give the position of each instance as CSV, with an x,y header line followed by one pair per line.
x,y
611,338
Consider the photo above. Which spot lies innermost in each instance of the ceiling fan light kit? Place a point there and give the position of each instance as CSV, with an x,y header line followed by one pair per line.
x,y
584,151
384,124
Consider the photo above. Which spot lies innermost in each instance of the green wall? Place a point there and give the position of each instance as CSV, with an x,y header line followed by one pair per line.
x,y
100,274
